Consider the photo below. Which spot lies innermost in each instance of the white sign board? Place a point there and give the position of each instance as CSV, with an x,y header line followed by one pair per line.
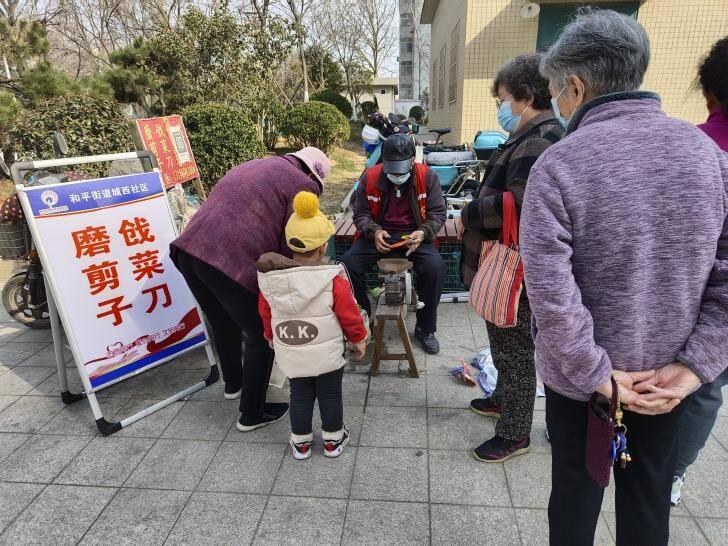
x,y
105,248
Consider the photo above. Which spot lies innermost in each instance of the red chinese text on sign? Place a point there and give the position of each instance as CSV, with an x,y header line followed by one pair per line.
x,y
155,298
136,232
146,264
102,276
91,241
115,309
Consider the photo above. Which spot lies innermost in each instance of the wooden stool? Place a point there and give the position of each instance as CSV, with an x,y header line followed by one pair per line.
x,y
397,313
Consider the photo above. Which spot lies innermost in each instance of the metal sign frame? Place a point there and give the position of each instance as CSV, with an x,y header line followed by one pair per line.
x,y
59,318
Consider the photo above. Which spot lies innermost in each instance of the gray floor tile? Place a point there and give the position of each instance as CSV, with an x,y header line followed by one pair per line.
x,y
106,461
243,468
441,364
41,458
59,515
480,332
458,428
137,516
215,393
46,355
394,427
456,340
529,479
6,400
10,331
30,413
31,335
713,450
21,380
716,530
683,530
12,354
392,390
704,489
390,474
202,421
14,497
456,477
277,433
52,387
193,360
79,419
446,392
318,476
9,442
380,522
353,418
217,518
173,464
151,426
315,521
534,528
453,315
467,525
539,443
354,389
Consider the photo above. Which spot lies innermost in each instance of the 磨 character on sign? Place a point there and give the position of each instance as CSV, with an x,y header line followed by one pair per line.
x,y
102,276
146,264
148,133
114,309
136,232
91,241
155,298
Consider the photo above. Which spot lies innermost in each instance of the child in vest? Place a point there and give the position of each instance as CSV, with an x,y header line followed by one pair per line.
x,y
309,312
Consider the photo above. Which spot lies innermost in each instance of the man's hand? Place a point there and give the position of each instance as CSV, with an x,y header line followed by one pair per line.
x,y
416,238
358,349
380,241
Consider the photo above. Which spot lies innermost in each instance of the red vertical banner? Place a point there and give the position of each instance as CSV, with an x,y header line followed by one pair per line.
x,y
167,139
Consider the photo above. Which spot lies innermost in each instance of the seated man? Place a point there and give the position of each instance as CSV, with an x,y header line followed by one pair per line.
x,y
395,198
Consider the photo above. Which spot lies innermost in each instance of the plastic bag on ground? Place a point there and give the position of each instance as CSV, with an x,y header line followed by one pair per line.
x,y
488,374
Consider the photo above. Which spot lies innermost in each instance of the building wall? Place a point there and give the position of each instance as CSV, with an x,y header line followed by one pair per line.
x,y
680,32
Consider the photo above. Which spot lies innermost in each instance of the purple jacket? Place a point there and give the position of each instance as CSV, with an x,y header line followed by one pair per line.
x,y
624,240
717,128
245,216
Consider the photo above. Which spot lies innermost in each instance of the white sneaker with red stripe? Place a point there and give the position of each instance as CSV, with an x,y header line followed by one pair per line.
x,y
335,442
301,446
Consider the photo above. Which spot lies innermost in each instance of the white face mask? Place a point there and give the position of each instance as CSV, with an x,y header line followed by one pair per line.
x,y
398,179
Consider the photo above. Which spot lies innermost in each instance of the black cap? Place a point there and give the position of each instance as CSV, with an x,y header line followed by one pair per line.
x,y
398,154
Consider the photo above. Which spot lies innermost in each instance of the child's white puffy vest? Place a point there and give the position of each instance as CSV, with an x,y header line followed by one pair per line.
x,y
307,337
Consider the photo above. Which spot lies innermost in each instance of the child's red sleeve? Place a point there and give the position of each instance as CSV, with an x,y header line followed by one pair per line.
x,y
265,314
347,311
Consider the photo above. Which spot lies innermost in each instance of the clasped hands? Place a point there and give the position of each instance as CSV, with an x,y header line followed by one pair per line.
x,y
653,392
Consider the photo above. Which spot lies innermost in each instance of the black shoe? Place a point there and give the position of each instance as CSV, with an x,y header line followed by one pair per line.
x,y
273,412
428,341
498,449
485,406
232,393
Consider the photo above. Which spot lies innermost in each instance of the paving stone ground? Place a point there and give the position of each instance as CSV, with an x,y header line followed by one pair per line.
x,y
185,475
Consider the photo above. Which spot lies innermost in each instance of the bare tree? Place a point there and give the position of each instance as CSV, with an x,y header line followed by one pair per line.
x,y
344,35
380,34
298,10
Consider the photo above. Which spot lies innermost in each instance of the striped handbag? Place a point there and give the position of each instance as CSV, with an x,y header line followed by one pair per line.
x,y
496,288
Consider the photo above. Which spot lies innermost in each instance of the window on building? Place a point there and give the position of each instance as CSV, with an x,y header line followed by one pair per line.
x,y
452,90
435,75
383,91
553,18
405,91
406,45
405,68
441,83
406,19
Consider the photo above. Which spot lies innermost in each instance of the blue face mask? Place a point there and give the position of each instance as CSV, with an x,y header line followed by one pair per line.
x,y
507,119
398,180
557,112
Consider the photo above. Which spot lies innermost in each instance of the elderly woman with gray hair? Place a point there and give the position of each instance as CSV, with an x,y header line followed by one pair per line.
x,y
625,247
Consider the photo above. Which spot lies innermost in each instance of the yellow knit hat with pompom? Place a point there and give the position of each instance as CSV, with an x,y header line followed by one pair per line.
x,y
307,228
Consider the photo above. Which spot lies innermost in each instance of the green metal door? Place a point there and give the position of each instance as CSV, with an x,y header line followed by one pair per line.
x,y
554,17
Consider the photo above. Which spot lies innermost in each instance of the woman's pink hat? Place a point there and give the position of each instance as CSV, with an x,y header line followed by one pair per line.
x,y
316,161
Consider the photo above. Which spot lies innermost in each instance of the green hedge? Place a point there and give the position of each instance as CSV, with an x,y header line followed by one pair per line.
x,y
315,124
367,108
221,137
332,97
91,125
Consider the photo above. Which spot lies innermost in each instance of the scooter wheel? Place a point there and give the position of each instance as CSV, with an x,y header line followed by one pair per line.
x,y
15,303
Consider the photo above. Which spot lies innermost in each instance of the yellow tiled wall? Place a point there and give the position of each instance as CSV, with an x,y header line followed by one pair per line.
x,y
681,32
